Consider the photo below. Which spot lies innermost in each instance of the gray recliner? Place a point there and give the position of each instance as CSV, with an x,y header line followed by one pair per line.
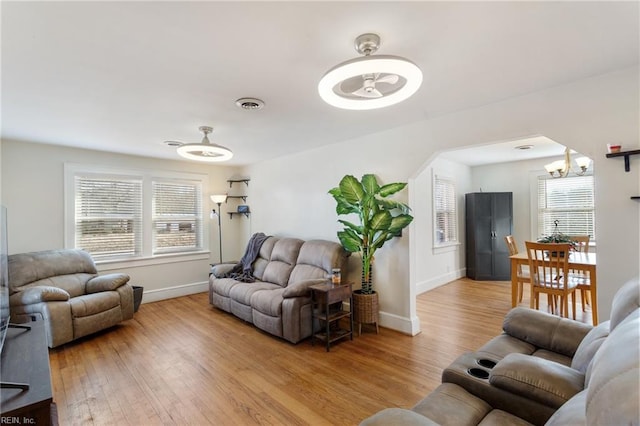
x,y
63,289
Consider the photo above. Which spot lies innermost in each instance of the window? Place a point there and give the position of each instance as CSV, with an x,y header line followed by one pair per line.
x,y
445,216
177,216
568,200
108,215
126,215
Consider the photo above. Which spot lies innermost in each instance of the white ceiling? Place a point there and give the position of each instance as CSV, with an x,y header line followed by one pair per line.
x,y
126,76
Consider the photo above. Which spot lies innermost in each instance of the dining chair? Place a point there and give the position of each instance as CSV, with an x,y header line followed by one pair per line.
x,y
549,271
583,282
522,273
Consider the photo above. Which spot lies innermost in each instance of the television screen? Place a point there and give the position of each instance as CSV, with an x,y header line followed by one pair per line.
x,y
4,277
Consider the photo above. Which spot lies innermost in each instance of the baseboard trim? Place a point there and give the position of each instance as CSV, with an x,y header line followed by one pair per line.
x,y
443,279
410,326
149,296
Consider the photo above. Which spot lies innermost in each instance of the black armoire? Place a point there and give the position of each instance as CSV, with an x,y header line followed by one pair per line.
x,y
489,218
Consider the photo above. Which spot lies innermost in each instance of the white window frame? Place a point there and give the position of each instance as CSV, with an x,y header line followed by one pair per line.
x,y
436,177
535,209
147,256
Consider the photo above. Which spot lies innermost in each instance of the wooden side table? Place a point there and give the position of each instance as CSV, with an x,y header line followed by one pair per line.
x,y
326,306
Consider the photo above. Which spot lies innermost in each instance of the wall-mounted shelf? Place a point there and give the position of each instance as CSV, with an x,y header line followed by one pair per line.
x,y
244,197
635,197
626,155
232,181
232,213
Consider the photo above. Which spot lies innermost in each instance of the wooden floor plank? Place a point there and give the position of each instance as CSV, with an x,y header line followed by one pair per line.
x,y
182,362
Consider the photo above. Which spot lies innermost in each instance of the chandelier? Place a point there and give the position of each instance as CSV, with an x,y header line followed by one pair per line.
x,y
561,168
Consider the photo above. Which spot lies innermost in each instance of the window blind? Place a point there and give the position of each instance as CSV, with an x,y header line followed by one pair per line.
x,y
177,216
446,220
568,200
108,216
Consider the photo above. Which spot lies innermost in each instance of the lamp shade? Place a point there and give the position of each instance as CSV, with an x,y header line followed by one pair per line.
x,y
219,198
583,162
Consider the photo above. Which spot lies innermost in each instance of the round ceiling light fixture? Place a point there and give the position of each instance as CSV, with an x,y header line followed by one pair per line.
x,y
250,103
205,150
372,81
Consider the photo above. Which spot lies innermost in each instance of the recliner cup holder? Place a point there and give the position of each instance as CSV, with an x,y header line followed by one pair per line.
x,y
479,373
486,363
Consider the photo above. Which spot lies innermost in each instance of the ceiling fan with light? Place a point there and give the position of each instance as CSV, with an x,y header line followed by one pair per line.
x,y
371,81
203,151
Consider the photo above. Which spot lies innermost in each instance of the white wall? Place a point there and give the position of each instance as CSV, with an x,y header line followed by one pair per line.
x,y
583,115
447,263
288,195
33,192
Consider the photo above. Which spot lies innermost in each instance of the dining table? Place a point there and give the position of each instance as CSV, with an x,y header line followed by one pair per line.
x,y
578,261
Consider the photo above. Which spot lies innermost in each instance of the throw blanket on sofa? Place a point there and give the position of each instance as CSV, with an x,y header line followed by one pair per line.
x,y
242,271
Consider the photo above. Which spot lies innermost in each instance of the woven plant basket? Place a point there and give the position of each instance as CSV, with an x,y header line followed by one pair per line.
x,y
365,309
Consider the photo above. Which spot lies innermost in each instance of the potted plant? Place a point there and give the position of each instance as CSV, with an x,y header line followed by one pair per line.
x,y
558,237
380,219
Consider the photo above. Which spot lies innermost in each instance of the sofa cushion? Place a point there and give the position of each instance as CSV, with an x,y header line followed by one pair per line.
x,y
613,391
398,416
502,345
25,268
74,284
502,418
571,413
268,302
283,258
95,303
264,255
450,404
222,286
589,346
316,260
625,301
242,292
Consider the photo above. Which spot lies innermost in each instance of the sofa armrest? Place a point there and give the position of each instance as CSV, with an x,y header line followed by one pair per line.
x,y
545,331
537,379
220,269
38,294
397,416
301,288
107,282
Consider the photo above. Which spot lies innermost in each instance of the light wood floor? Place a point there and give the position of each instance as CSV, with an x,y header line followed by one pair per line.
x,y
182,362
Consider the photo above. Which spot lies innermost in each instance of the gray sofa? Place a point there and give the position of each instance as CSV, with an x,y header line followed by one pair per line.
x,y
279,301
63,288
547,370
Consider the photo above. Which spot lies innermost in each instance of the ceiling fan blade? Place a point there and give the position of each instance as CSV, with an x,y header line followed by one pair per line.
x,y
389,79
351,85
367,94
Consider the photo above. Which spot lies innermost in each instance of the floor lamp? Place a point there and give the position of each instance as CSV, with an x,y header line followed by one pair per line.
x,y
219,199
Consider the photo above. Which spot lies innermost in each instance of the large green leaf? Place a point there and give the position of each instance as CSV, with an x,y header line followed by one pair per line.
x,y
381,221
351,189
349,241
356,228
400,222
342,207
391,188
370,184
